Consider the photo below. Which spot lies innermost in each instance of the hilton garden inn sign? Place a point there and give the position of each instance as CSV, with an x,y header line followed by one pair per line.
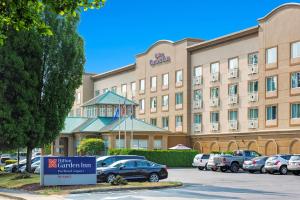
x,y
68,170
160,58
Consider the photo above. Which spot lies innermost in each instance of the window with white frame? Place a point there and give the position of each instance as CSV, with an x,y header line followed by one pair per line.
x,y
140,144
110,110
233,115
253,113
197,118
165,122
179,76
142,85
157,144
120,143
153,82
78,98
102,111
295,80
153,102
233,63
295,111
214,117
165,80
153,121
271,55
271,112
178,120
178,98
197,95
214,92
295,48
253,58
253,86
165,100
124,89
214,67
142,104
233,90
198,71
271,83
133,88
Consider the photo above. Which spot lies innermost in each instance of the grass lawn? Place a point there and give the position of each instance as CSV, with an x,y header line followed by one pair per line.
x,y
33,184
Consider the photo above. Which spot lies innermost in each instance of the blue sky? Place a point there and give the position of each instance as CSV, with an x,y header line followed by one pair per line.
x,y
114,34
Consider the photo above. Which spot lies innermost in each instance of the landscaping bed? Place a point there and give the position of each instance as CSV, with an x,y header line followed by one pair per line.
x,y
32,184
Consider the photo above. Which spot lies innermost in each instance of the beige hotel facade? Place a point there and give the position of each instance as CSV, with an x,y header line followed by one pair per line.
x,y
238,91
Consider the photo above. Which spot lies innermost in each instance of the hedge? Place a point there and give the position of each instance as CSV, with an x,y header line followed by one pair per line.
x,y
170,158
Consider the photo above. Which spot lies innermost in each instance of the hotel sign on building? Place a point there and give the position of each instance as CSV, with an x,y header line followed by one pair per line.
x,y
159,59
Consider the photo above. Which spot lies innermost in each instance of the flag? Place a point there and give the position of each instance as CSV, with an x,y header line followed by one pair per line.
x,y
116,114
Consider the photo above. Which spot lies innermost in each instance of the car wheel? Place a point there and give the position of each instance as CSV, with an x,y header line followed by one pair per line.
x,y
153,177
283,170
200,168
110,178
262,170
205,166
234,167
223,169
296,173
251,171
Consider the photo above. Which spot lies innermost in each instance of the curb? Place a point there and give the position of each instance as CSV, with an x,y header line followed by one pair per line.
x,y
122,189
11,197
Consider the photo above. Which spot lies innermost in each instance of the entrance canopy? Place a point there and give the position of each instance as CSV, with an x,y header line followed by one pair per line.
x,y
180,147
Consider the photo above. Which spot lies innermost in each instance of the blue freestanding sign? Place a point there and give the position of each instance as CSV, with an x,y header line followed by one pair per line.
x,y
68,170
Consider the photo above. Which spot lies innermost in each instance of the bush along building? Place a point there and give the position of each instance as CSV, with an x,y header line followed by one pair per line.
x,y
238,91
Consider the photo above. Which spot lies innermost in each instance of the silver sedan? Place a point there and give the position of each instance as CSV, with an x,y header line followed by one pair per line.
x,y
255,164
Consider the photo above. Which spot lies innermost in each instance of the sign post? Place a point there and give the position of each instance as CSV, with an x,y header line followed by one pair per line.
x,y
68,171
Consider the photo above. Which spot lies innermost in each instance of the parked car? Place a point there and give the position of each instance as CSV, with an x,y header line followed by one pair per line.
x,y
105,161
33,166
211,164
133,169
14,167
4,157
277,163
200,161
294,164
234,162
37,169
255,164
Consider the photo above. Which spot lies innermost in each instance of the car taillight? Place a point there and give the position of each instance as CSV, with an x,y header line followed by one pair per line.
x,y
224,159
277,162
253,162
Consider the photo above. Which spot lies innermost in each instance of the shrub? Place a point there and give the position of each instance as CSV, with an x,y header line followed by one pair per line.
x,y
22,176
8,162
170,158
91,146
119,180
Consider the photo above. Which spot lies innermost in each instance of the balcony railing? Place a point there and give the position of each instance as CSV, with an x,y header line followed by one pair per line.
x,y
253,97
233,124
253,123
197,104
197,80
214,102
233,99
252,69
197,127
153,89
153,110
233,73
214,77
165,108
178,83
214,126
178,127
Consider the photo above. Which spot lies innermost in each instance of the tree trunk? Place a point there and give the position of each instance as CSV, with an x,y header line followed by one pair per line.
x,y
28,159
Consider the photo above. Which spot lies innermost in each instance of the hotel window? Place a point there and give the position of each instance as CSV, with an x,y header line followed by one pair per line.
x,y
140,144
165,122
102,111
253,114
233,90
214,92
271,55
142,85
153,83
97,92
165,80
114,89
198,71
271,83
197,118
214,68
165,100
295,80
133,89
124,89
253,86
157,144
197,95
153,103
295,110
110,111
153,121
78,98
233,63
233,115
178,98
253,59
142,104
296,50
120,143
271,112
214,117
179,77
178,121
105,90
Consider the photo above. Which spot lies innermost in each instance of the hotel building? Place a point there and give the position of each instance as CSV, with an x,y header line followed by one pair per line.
x,y
238,91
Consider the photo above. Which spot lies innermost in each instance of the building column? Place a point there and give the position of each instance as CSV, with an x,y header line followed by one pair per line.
x,y
165,142
55,147
128,141
71,149
151,142
112,140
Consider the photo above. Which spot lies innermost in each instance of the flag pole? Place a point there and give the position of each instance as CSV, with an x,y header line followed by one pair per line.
x,y
119,125
131,142
125,113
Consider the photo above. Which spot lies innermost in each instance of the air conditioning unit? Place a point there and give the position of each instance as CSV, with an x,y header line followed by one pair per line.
x,y
232,99
214,77
233,125
214,102
197,80
253,69
197,128
214,126
253,123
153,89
253,97
233,73
197,104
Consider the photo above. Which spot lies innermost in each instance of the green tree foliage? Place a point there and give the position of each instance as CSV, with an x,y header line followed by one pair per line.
x,y
28,14
91,146
39,75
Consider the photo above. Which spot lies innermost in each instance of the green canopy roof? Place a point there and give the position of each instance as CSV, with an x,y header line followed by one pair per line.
x,y
109,98
72,123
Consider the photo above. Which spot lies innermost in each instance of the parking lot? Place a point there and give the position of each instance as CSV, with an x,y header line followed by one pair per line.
x,y
212,185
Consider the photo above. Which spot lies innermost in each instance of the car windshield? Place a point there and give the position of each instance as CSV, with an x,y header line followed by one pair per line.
x,y
117,164
295,158
273,158
259,158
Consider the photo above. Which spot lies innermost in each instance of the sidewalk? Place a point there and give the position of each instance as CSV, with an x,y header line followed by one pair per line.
x,y
22,195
